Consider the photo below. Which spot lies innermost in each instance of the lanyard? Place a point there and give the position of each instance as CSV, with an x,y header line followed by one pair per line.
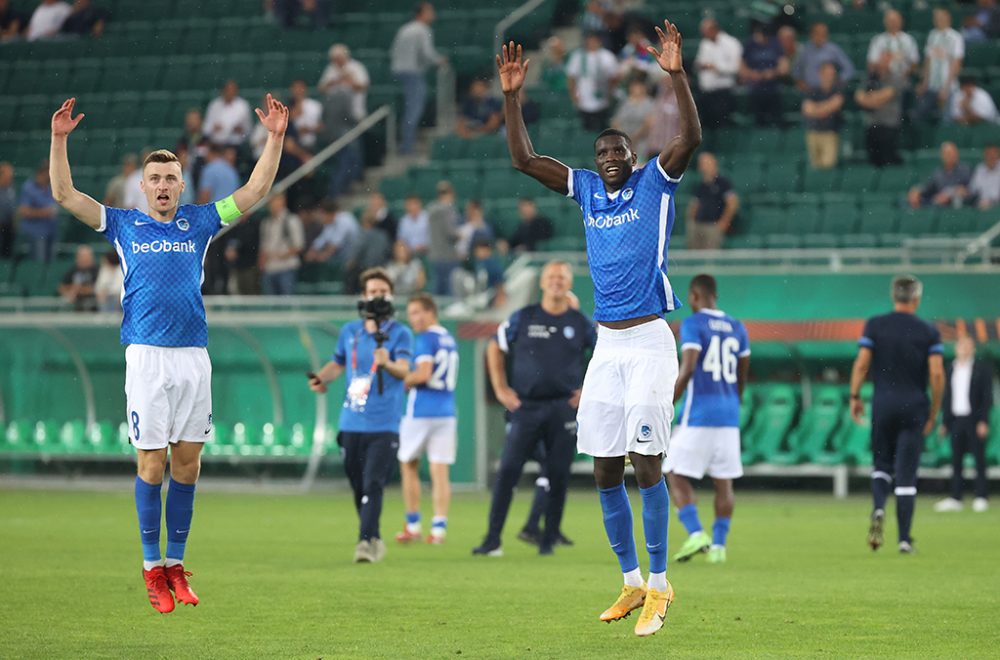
x,y
354,356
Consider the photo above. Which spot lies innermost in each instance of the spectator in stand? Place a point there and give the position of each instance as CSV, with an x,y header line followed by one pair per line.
x,y
760,71
532,230
193,141
85,20
385,221
11,22
481,113
345,72
972,104
407,273
791,53
473,228
307,14
950,181
242,254
227,119
900,47
133,197
442,220
984,189
591,76
636,59
488,271
412,54
336,240
37,214
984,23
338,120
530,110
188,195
8,210
819,51
663,123
47,19
882,101
110,279
371,249
553,67
219,178
305,113
718,64
114,194
710,214
414,230
77,284
821,110
633,112
943,55
282,240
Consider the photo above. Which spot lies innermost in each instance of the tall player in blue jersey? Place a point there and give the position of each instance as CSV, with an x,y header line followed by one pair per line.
x,y
626,406
429,424
167,370
715,361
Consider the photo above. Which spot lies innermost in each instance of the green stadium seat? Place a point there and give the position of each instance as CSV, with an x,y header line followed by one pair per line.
x,y
840,217
72,437
820,241
54,78
782,176
958,221
772,421
993,443
783,241
770,220
820,181
33,113
896,180
17,436
878,218
744,242
858,241
397,188
24,79
857,178
818,437
45,437
805,215
916,223
855,439
8,114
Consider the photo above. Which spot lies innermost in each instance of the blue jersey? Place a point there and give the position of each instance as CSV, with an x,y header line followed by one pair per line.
x,y
628,233
163,263
713,397
379,413
436,397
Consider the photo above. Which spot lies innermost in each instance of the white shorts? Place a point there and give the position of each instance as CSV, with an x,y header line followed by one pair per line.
x,y
168,392
699,450
435,434
627,400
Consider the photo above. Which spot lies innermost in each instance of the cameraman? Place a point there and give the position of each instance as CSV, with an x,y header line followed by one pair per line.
x,y
375,350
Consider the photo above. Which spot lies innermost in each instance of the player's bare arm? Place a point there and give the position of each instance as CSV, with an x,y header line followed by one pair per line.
x,y
421,375
935,364
677,153
398,368
275,120
83,207
330,372
498,377
859,372
548,171
689,360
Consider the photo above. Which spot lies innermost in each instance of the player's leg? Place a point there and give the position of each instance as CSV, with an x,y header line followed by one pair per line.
x,y
609,475
441,449
883,463
380,458
151,465
958,448
521,438
726,465
689,456
724,503
354,447
185,466
977,446
560,449
412,441
910,445
532,530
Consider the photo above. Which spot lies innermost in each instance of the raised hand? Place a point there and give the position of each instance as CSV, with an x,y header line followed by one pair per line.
x,y
669,55
512,70
275,120
63,121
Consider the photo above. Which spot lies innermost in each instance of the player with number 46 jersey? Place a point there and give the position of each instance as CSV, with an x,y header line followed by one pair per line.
x,y
429,424
715,360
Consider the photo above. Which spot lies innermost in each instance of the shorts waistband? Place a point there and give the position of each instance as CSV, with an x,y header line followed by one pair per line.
x,y
653,328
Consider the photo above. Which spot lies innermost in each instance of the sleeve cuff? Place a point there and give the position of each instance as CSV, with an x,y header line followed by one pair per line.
x,y
664,172
866,342
502,337
691,346
424,358
339,359
569,182
104,219
936,348
745,353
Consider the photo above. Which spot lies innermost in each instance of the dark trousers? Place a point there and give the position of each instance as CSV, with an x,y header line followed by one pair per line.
x,y
7,235
552,423
897,441
882,144
765,105
368,461
595,121
715,107
964,440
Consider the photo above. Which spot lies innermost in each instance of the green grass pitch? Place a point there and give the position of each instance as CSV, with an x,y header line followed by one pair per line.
x,y
275,579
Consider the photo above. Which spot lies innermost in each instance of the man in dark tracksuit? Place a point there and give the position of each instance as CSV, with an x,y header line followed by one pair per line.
x,y
546,343
903,354
968,397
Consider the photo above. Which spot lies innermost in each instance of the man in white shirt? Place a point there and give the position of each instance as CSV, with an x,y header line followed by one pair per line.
x,y
718,63
414,227
968,398
132,195
972,104
345,71
47,19
338,236
984,188
227,119
943,55
591,74
305,113
412,53
901,47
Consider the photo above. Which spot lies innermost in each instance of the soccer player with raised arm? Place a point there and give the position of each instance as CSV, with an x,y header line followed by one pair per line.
x,y
167,370
715,362
626,406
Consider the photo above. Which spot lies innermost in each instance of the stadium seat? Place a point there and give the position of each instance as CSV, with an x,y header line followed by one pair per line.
x,y
772,421
855,439
817,432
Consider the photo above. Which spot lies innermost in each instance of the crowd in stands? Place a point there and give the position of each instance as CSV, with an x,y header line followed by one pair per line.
x,y
52,19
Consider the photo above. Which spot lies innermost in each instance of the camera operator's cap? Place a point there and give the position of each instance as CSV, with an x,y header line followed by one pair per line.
x,y
444,187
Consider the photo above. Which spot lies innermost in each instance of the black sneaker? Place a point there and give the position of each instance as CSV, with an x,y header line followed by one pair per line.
x,y
530,536
545,550
563,540
488,548
875,529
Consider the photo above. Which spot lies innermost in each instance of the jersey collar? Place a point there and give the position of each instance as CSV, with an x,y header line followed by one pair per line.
x,y
714,312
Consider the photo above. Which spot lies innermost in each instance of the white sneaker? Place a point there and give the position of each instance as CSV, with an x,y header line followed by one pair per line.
x,y
948,504
980,504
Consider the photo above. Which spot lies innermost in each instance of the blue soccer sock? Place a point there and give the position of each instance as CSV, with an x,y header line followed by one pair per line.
x,y
689,518
180,509
720,530
148,506
655,517
413,522
618,525
439,526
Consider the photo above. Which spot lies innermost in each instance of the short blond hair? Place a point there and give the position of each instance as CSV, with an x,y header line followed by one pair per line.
x,y
161,156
